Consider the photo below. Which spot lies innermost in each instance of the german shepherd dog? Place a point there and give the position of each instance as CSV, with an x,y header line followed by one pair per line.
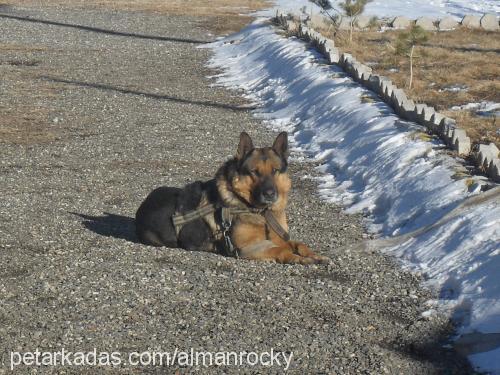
x,y
251,183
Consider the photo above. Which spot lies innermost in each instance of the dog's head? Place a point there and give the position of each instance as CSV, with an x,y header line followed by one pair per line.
x,y
261,178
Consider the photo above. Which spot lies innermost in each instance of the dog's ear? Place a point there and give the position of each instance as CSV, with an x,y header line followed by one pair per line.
x,y
280,145
245,146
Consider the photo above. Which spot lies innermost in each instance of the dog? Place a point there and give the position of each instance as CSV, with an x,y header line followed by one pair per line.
x,y
241,212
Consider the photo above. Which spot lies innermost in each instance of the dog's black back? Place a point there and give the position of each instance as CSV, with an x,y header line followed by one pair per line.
x,y
153,219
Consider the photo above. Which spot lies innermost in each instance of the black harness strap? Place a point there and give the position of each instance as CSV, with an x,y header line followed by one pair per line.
x,y
227,214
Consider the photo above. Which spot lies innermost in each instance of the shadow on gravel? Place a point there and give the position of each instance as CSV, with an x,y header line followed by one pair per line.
x,y
105,31
435,348
110,225
148,95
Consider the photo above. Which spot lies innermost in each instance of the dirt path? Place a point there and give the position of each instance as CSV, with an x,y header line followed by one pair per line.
x,y
97,109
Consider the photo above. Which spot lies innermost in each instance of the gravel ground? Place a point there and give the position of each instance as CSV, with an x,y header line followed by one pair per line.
x,y
130,113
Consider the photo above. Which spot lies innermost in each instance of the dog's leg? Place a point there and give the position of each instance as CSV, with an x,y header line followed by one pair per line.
x,y
303,250
282,254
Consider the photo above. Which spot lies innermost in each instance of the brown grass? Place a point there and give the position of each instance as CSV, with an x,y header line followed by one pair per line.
x,y
461,57
221,16
21,122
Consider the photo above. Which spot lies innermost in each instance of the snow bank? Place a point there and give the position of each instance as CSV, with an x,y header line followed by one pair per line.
x,y
376,163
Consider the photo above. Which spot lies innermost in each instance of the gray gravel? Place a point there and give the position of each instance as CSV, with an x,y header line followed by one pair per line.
x,y
130,113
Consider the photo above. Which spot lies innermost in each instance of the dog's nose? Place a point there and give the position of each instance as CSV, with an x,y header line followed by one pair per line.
x,y
269,194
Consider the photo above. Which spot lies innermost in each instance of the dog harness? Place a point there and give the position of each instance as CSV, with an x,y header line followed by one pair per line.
x,y
227,215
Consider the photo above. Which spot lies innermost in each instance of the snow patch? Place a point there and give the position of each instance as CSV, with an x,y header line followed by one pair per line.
x,y
374,162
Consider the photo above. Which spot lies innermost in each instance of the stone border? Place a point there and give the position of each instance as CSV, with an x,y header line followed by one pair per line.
x,y
484,156
487,21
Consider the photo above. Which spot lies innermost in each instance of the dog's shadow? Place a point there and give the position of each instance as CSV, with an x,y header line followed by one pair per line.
x,y
110,225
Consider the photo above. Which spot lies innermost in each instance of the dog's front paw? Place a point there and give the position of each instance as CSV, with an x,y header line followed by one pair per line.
x,y
304,251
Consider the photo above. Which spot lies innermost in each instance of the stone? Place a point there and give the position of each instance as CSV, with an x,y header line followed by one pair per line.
x,y
447,23
489,22
401,22
485,154
426,23
461,143
445,124
388,87
494,149
362,72
346,60
397,98
494,169
291,26
374,82
329,44
320,43
333,55
367,73
436,120
302,31
470,21
407,109
418,113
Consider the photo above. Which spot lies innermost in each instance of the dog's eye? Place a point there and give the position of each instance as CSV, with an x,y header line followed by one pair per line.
x,y
275,170
255,172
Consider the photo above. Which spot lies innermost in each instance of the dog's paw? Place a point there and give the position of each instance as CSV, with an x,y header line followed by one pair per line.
x,y
320,259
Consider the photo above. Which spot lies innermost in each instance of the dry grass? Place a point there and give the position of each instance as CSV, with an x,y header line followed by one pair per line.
x,y
464,57
21,121
221,16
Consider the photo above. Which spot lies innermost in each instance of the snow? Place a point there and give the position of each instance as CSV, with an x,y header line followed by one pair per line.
x,y
374,162
484,108
409,8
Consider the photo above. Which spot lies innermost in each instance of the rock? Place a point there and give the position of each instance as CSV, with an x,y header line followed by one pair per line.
x,y
494,169
374,82
304,31
326,46
473,22
387,88
346,60
401,22
291,26
446,128
436,119
463,146
485,154
397,98
461,143
407,110
362,72
426,23
333,55
489,22
447,23
418,113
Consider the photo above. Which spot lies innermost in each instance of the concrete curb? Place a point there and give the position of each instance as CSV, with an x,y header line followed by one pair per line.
x,y
488,22
486,157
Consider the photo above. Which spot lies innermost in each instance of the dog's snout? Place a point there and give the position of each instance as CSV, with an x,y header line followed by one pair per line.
x,y
268,194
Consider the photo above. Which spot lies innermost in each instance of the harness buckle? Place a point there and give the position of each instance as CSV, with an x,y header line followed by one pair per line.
x,y
226,232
